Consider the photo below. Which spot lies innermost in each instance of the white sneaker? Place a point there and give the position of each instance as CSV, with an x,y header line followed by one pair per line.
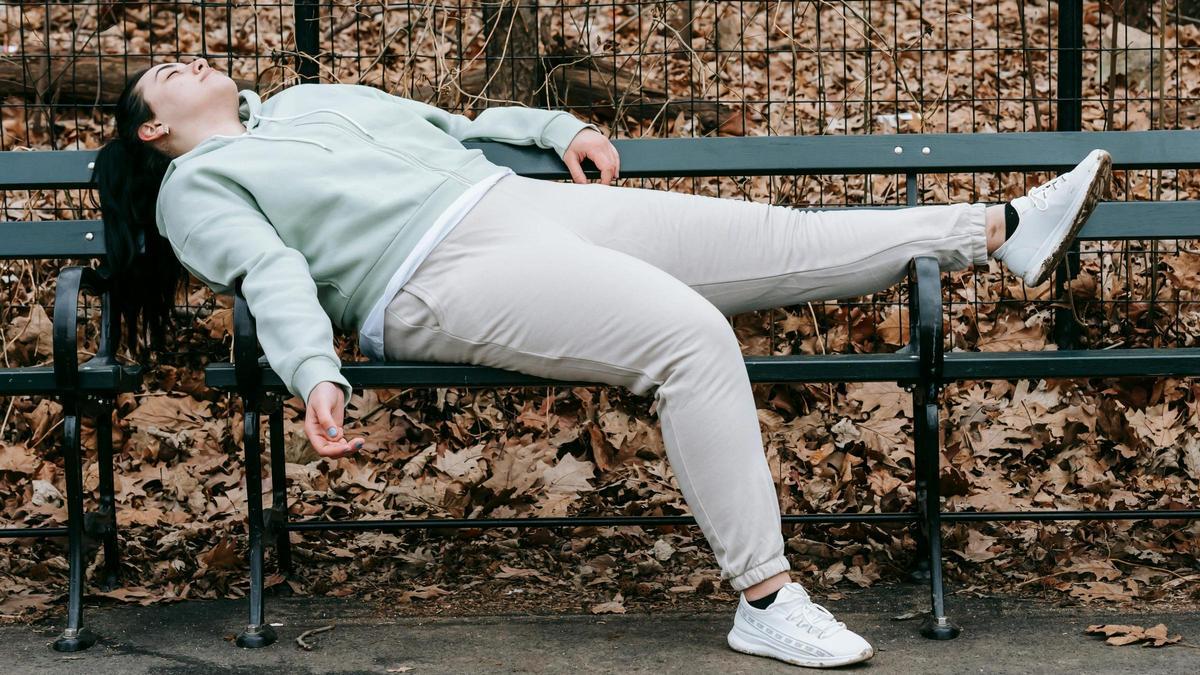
x,y
1050,216
796,630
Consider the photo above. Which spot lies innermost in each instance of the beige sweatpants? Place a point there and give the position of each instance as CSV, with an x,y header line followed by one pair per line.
x,y
631,286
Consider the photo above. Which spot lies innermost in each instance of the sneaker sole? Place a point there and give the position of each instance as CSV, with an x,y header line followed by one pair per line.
x,y
738,642
1090,199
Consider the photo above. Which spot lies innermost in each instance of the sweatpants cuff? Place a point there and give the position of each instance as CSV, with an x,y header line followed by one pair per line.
x,y
759,573
977,220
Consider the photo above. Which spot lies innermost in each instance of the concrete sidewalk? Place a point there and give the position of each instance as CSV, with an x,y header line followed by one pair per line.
x,y
999,635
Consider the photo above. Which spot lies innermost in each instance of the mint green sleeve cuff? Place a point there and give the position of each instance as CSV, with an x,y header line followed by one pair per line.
x,y
561,130
314,371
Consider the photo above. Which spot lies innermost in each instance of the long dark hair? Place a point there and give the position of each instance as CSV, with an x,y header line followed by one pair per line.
x,y
139,261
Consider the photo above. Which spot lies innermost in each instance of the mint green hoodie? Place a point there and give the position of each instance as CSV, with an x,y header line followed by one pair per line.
x,y
318,219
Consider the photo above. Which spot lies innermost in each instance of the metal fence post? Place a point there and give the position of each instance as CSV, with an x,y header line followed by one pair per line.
x,y
308,41
1069,117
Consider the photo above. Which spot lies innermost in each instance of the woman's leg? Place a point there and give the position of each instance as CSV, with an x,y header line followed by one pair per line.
x,y
743,255
514,289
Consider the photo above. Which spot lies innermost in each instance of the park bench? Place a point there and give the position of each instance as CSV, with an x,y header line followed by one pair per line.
x,y
921,366
89,388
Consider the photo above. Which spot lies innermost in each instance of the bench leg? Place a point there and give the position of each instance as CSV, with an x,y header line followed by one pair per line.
x,y
279,506
918,570
925,435
257,633
74,637
108,506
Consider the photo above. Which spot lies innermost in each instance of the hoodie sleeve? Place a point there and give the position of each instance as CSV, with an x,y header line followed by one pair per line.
x,y
515,125
218,233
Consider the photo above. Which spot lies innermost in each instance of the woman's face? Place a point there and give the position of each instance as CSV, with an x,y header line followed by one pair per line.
x,y
183,94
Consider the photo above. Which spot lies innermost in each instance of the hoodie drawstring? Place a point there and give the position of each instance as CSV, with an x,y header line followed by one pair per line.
x,y
310,112
290,138
349,119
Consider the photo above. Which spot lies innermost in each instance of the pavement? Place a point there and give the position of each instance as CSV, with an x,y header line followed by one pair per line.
x,y
999,635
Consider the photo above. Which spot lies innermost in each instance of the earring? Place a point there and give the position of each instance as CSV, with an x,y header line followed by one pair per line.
x,y
166,129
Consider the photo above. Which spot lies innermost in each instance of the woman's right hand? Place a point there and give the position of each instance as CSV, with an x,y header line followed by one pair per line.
x,y
324,414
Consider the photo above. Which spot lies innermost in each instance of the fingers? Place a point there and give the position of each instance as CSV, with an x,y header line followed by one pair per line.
x,y
336,449
326,423
572,161
337,415
317,424
607,160
610,165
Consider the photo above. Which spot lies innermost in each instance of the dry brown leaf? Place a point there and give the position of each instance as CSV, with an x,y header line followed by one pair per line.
x,y
423,593
614,606
569,476
1120,634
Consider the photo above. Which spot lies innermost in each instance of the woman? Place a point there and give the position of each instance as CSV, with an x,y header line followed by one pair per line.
x,y
341,204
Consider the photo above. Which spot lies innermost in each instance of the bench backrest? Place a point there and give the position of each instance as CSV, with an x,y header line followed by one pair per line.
x,y
909,154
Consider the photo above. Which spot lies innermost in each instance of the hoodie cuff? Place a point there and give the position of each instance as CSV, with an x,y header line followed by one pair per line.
x,y
561,130
314,371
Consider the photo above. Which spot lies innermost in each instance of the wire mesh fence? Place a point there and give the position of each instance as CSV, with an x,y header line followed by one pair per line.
x,y
660,69
676,69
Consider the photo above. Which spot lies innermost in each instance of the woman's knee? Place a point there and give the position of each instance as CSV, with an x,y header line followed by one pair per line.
x,y
701,338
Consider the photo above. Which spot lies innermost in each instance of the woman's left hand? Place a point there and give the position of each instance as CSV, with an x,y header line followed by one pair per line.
x,y
593,145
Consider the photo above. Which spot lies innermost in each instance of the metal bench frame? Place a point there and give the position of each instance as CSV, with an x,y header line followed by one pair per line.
x,y
89,388
921,367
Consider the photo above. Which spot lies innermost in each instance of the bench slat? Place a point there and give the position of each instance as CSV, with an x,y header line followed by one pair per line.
x,y
39,380
1111,221
51,239
758,155
1180,362
838,154
900,365
1121,220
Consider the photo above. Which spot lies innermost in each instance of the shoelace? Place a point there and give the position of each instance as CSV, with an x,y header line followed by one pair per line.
x,y
813,618
1038,193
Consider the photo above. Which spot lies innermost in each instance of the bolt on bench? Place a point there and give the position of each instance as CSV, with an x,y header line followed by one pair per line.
x,y
921,367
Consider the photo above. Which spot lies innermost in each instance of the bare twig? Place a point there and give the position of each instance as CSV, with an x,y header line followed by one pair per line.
x,y
305,645
1112,63
1037,109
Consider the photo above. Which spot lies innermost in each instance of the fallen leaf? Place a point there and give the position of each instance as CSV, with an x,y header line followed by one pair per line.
x,y
1121,634
614,606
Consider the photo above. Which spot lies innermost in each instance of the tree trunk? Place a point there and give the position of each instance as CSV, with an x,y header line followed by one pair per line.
x,y
83,80
511,47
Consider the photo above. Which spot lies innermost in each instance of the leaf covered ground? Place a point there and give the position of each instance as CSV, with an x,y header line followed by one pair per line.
x,y
1104,443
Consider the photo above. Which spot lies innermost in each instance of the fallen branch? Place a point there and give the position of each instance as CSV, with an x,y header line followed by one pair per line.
x,y
300,638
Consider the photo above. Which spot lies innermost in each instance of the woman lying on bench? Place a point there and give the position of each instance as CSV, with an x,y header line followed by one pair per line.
x,y
344,205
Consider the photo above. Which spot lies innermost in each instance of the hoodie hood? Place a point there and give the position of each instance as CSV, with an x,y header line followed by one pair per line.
x,y
250,109
249,105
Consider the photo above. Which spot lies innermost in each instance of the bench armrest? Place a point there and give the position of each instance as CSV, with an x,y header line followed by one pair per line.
x,y
71,281
245,344
925,316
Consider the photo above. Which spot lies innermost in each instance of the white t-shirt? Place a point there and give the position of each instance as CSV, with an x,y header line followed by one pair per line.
x,y
370,337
